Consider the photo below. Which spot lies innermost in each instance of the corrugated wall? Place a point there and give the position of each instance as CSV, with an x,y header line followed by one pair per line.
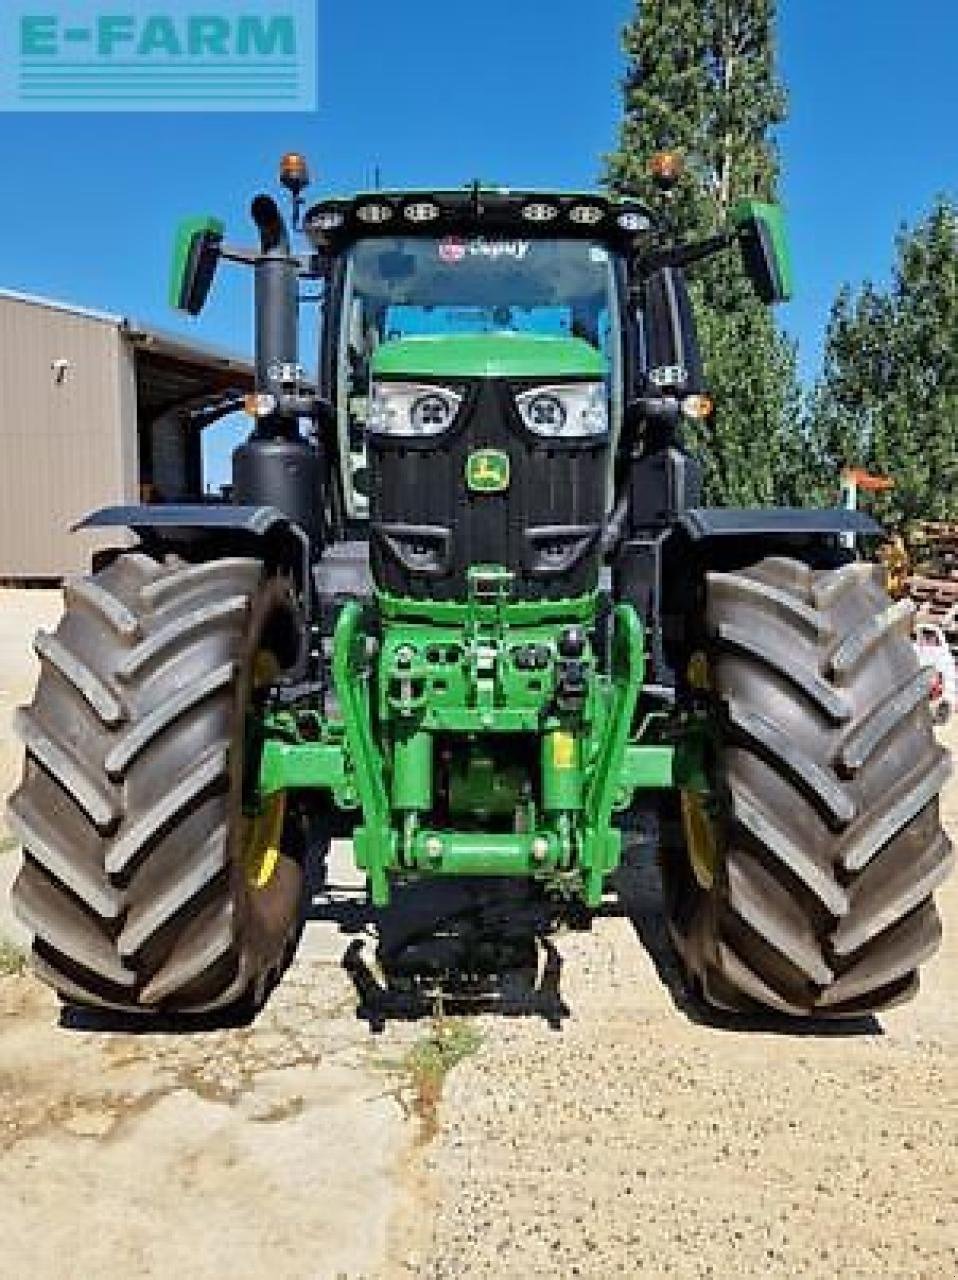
x,y
67,438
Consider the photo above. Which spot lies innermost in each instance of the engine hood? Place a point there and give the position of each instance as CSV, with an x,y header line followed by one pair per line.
x,y
488,355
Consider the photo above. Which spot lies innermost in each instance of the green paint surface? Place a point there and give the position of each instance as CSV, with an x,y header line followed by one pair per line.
x,y
772,217
488,355
188,232
466,676
514,612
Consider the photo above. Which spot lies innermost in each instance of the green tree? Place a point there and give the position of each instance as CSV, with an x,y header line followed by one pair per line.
x,y
701,80
888,397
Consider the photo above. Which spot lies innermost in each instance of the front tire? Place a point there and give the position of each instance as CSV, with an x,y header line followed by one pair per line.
x,y
804,884
135,883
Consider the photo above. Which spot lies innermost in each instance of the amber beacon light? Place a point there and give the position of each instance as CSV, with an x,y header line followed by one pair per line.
x,y
666,168
294,172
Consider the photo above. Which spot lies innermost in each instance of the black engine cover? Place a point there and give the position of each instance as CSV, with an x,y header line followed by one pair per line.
x,y
427,527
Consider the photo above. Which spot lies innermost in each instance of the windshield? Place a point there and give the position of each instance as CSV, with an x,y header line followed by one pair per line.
x,y
401,287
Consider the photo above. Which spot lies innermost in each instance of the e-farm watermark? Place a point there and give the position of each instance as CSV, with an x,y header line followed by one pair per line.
x,y
167,55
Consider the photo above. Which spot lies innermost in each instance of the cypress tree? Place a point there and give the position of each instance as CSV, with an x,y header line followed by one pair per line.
x,y
701,79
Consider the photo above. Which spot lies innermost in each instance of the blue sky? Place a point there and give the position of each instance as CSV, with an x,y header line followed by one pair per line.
x,y
513,91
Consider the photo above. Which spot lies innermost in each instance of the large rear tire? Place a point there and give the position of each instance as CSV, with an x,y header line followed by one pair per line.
x,y
805,885
136,880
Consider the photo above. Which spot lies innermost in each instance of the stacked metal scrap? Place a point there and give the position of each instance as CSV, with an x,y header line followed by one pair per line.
x,y
934,588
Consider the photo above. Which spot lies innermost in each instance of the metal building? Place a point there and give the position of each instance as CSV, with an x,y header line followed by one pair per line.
x,y
95,409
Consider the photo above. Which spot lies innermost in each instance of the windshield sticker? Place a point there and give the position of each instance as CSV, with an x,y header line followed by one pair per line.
x,y
452,250
598,255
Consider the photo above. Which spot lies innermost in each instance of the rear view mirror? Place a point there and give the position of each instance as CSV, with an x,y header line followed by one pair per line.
x,y
196,252
396,266
765,251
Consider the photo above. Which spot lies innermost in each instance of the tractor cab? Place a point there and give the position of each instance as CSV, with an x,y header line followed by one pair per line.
x,y
437,295
488,358
470,307
476,363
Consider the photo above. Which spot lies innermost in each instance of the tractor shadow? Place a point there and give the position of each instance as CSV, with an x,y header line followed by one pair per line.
x,y
455,947
638,890
110,1021
468,947
471,947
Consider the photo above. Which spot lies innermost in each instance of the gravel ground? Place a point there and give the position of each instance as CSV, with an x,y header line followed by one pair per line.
x,y
600,1129
640,1140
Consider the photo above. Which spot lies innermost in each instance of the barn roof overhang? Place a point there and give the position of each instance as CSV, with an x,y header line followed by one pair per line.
x,y
172,371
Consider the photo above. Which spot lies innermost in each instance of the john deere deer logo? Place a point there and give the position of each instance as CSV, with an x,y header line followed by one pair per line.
x,y
487,471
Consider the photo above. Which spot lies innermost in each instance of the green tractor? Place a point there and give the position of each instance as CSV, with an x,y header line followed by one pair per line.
x,y
465,606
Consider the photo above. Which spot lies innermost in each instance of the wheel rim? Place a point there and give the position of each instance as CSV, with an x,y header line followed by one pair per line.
x,y
261,837
701,838
261,833
699,823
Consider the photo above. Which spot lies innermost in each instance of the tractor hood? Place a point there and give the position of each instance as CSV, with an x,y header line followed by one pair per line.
x,y
488,355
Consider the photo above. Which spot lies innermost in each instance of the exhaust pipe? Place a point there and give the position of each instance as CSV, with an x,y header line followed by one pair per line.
x,y
276,302
276,467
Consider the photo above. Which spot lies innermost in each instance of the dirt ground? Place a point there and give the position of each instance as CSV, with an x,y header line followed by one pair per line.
x,y
21,614
595,1127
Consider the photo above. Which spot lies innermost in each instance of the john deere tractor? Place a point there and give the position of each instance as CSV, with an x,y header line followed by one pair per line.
x,y
466,606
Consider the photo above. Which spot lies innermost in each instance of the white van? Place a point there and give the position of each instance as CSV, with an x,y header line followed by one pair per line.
x,y
932,649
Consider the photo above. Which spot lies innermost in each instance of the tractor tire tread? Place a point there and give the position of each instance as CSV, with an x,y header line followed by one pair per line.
x,y
818,690
169,901
127,884
868,735
99,804
144,832
171,635
104,604
79,876
765,737
77,673
823,903
158,720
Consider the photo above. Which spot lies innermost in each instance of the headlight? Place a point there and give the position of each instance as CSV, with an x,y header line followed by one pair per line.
x,y
586,215
632,220
375,213
539,211
422,211
569,412
408,409
328,219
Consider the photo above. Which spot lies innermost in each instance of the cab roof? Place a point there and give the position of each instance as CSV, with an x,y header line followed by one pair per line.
x,y
618,221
